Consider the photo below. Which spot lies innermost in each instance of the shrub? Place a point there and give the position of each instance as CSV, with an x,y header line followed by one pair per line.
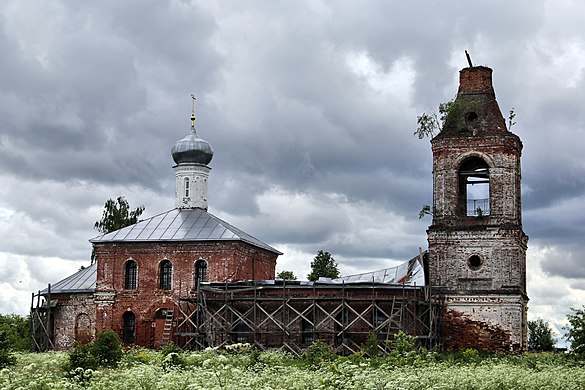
x,y
319,352
105,351
402,343
371,347
6,356
107,348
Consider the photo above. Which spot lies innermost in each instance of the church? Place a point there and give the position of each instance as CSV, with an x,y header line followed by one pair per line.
x,y
188,277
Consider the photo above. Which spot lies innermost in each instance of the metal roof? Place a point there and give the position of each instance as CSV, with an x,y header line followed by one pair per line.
x,y
182,225
410,272
81,281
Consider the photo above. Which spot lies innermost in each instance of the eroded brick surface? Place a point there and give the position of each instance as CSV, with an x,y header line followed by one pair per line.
x,y
479,259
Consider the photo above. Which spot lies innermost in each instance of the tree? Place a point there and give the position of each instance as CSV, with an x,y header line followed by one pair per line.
x,y
323,265
540,336
286,275
116,215
16,330
576,330
429,123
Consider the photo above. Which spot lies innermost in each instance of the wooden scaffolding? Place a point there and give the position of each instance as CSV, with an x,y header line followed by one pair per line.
x,y
41,321
291,316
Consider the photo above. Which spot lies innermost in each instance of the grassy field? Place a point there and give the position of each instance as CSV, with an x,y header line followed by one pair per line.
x,y
237,369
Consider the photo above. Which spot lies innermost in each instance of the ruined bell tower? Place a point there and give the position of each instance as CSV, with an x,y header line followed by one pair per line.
x,y
477,248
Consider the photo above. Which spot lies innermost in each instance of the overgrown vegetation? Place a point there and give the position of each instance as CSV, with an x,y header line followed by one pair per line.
x,y
242,367
105,351
16,329
6,356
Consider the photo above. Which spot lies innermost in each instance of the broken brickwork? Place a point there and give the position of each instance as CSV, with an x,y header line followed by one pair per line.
x,y
477,248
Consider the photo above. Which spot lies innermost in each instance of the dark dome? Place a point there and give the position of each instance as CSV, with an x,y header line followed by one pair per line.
x,y
192,149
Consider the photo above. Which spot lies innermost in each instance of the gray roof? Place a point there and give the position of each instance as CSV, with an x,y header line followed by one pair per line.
x,y
81,281
182,225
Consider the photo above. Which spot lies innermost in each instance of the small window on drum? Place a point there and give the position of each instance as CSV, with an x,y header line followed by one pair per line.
x,y
187,187
474,262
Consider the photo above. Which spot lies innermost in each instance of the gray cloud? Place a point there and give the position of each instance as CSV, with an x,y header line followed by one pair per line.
x,y
310,108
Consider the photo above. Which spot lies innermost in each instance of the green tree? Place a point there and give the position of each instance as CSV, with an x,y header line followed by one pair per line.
x,y
429,123
576,330
116,215
323,265
286,275
6,356
16,329
540,336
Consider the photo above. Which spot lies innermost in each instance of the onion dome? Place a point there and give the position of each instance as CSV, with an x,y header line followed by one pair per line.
x,y
192,150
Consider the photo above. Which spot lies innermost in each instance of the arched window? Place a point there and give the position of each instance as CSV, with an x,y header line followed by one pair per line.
x,y
165,272
129,328
187,188
200,271
474,188
130,275
82,328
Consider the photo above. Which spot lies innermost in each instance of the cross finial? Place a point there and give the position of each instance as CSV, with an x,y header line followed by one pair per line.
x,y
193,110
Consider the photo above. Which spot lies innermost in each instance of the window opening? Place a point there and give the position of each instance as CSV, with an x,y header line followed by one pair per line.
x,y
474,262
166,270
129,329
130,275
474,188
308,329
200,271
187,187
240,332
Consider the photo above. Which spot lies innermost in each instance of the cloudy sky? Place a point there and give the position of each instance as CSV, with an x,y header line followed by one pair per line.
x,y
310,107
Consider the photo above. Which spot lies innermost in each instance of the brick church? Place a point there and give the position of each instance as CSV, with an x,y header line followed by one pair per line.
x,y
158,280
141,269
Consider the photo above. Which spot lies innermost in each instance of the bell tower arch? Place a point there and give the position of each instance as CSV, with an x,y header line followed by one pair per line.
x,y
477,248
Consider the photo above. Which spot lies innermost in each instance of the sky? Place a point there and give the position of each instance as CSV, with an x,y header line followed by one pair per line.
x,y
310,107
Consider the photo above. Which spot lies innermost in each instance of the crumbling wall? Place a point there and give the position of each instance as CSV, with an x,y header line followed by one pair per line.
x,y
73,319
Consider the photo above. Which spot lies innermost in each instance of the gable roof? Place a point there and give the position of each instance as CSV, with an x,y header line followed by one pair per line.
x,y
81,281
182,225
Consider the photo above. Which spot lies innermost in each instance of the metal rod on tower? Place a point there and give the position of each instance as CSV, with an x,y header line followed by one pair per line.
x,y
468,59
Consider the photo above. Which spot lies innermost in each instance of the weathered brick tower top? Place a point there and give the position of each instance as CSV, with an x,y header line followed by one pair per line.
x,y
477,249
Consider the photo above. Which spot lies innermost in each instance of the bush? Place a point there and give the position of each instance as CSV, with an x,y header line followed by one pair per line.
x,y
107,348
17,331
105,351
319,352
6,356
371,347
402,343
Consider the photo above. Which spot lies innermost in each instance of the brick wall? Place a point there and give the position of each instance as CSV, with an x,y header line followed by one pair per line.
x,y
227,261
